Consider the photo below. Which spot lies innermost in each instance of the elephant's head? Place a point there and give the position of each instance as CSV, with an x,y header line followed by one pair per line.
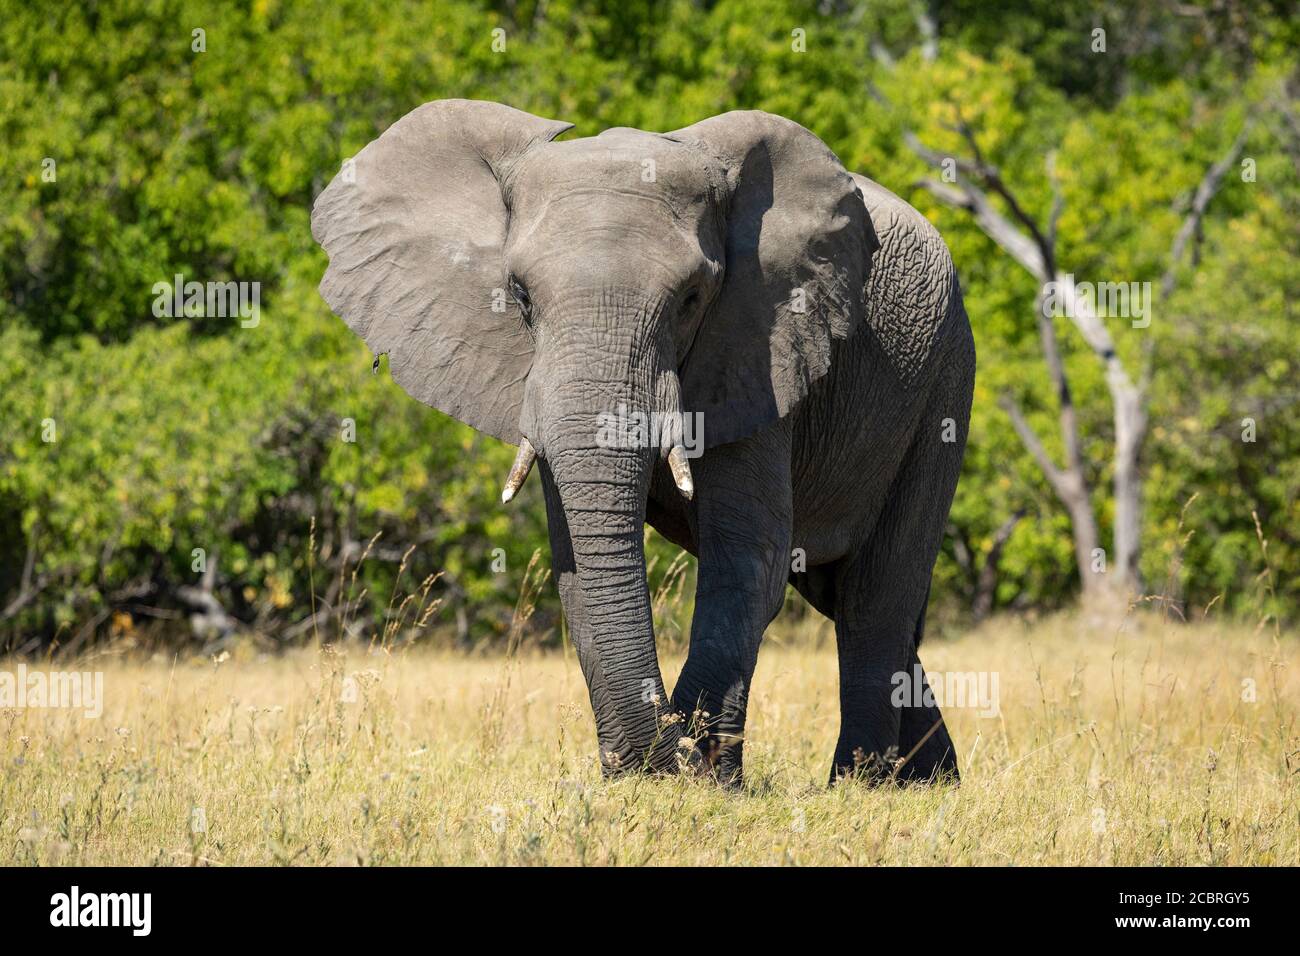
x,y
530,287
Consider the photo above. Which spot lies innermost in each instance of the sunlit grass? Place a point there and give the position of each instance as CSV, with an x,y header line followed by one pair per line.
x,y
1129,744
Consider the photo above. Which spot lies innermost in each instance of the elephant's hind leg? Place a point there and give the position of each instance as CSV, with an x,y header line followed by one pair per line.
x,y
924,746
885,714
880,596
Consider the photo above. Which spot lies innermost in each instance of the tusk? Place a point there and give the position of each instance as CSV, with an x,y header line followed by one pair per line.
x,y
681,472
519,470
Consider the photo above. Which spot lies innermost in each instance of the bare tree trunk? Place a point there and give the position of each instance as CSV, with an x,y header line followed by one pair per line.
x,y
1130,430
1034,248
1070,487
1129,411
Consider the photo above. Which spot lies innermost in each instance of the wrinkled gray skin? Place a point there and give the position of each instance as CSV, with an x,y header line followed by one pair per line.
x,y
732,268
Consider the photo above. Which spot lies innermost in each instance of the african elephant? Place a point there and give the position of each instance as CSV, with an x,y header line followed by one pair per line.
x,y
730,273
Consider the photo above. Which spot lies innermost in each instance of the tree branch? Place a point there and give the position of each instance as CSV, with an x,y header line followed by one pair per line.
x,y
966,195
1029,438
1205,191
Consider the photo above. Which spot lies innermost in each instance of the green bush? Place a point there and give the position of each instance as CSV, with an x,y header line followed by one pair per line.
x,y
134,157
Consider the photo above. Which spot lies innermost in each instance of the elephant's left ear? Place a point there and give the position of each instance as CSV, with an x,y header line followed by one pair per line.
x,y
799,243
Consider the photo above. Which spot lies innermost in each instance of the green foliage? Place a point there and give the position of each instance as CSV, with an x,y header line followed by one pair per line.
x,y
175,434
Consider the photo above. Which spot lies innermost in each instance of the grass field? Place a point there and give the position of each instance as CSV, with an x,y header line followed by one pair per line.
x,y
1142,743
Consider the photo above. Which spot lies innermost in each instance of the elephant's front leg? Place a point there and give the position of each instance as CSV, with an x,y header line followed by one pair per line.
x,y
742,527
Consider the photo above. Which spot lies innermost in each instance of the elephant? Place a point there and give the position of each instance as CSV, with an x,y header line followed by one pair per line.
x,y
731,273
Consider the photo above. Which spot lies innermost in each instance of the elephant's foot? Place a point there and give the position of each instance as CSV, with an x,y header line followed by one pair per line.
x,y
928,755
715,722
929,770
729,769
871,767
670,753
715,754
719,758
924,767
708,754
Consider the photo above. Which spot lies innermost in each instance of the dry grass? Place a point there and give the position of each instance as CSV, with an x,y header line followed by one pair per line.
x,y
1128,745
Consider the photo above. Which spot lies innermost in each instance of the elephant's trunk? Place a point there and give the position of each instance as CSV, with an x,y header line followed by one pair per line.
x,y
603,492
602,474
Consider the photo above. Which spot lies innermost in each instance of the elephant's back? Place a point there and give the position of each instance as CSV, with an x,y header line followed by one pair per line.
x,y
912,292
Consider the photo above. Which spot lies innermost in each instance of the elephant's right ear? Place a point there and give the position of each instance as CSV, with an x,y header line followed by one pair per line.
x,y
799,244
414,227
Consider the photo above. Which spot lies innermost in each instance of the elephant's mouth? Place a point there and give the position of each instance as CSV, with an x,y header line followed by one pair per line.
x,y
678,462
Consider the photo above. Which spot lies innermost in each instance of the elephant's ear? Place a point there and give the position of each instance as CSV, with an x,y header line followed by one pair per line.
x,y
414,227
799,243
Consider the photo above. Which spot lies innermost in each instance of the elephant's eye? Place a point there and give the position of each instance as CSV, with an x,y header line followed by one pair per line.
x,y
688,303
521,296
